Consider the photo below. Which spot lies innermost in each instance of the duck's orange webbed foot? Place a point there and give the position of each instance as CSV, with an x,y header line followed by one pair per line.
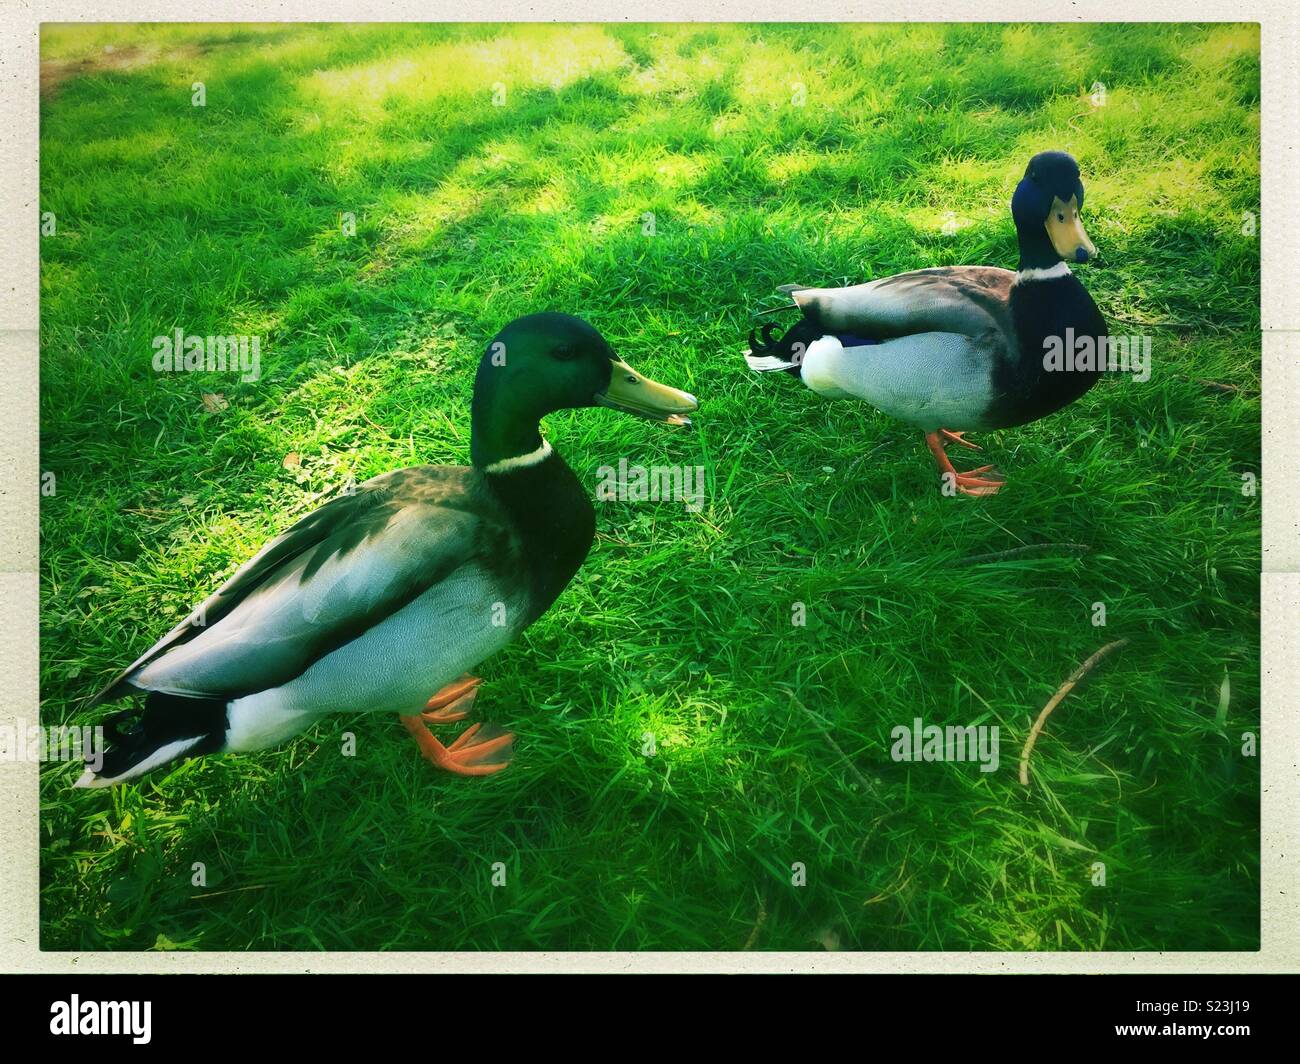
x,y
480,750
453,702
960,438
971,482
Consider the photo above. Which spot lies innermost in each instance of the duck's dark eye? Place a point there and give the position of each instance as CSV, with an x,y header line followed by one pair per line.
x,y
564,354
1060,217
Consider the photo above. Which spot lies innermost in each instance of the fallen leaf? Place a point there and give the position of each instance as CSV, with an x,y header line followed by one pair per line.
x,y
292,461
1225,697
214,401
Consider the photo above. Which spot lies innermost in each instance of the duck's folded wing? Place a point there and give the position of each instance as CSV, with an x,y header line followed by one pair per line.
x,y
335,574
967,300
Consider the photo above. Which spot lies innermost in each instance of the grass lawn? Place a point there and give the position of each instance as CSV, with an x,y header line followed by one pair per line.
x,y
660,181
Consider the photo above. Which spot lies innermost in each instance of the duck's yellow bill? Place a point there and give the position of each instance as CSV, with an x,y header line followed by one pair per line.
x,y
632,393
1066,231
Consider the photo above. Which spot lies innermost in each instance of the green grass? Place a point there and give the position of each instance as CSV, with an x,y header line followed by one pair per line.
x,y
226,219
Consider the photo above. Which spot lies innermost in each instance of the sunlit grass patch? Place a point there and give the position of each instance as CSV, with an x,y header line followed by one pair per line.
x,y
529,57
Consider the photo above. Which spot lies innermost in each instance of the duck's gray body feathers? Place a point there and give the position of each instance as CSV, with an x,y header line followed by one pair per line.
x,y
930,379
939,337
371,602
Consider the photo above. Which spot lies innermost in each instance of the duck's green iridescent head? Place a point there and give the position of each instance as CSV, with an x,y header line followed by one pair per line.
x,y
546,362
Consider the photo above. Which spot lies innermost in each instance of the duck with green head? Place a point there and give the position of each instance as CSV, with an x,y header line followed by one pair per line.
x,y
958,347
398,588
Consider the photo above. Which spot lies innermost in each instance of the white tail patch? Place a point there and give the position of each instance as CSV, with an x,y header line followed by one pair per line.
x,y
766,363
159,757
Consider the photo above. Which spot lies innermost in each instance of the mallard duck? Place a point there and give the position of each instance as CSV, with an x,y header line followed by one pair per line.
x,y
958,347
398,588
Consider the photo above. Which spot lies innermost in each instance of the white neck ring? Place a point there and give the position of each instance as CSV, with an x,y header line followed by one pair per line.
x,y
521,461
1047,273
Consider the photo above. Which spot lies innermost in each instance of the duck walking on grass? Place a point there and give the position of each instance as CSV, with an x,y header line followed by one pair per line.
x,y
397,589
959,347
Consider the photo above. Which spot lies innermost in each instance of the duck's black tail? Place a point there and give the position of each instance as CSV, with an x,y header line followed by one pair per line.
x,y
769,351
168,727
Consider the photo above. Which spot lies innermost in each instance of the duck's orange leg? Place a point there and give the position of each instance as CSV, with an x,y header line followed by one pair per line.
x,y
453,702
479,751
971,482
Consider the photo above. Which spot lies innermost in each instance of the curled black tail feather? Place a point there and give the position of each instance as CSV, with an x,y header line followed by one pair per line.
x,y
788,348
762,344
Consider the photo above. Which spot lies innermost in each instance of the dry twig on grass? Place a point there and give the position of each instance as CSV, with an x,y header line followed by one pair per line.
x,y
1030,548
758,925
866,785
1056,700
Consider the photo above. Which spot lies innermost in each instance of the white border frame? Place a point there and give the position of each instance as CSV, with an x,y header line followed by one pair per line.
x,y
1280,580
